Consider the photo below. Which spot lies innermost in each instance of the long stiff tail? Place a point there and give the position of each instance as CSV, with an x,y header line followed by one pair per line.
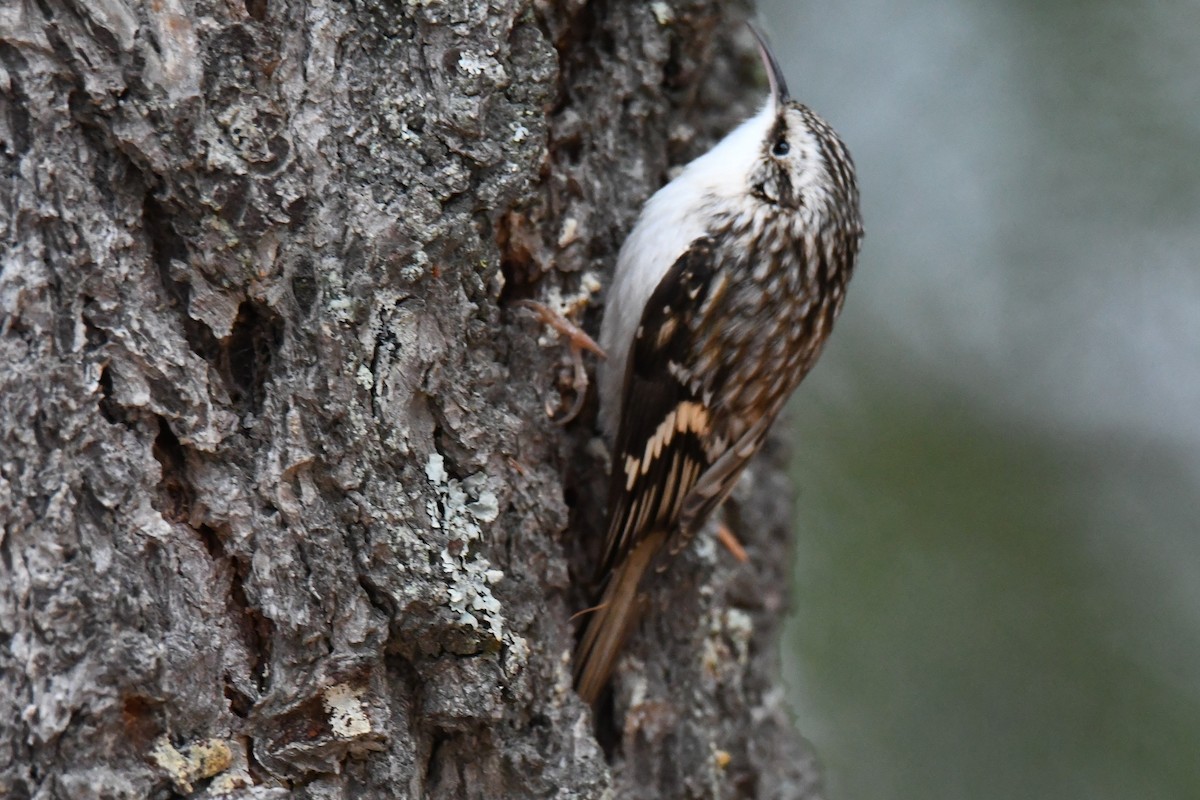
x,y
610,624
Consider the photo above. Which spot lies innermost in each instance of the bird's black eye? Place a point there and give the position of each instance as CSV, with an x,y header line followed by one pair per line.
x,y
781,148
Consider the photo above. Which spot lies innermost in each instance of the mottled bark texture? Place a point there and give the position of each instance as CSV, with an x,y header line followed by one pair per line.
x,y
284,513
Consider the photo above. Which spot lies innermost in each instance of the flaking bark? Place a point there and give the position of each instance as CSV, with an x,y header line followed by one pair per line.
x,y
284,513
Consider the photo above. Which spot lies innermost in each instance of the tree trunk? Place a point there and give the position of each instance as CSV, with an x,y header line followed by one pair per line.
x,y
285,512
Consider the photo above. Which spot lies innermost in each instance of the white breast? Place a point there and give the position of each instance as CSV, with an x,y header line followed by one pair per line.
x,y
677,215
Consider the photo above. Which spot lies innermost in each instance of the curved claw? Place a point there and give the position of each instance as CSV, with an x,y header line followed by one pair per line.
x,y
580,386
577,341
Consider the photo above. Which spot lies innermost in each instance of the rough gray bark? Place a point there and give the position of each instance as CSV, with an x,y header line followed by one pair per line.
x,y
284,513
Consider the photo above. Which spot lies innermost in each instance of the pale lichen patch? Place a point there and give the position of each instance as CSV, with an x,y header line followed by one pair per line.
x,y
739,628
459,509
347,714
569,233
196,761
481,64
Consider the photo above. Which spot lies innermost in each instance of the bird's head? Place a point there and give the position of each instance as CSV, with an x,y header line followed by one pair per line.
x,y
800,163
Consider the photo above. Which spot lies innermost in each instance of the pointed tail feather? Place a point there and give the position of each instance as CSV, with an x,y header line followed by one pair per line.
x,y
613,620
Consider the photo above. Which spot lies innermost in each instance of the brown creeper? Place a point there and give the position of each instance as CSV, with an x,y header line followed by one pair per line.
x,y
723,296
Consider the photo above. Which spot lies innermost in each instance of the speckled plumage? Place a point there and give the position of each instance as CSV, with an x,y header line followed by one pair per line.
x,y
724,295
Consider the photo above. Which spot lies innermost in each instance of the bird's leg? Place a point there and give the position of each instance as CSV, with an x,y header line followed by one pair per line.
x,y
727,538
577,341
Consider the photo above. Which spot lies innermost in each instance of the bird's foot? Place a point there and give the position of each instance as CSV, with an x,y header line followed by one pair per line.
x,y
577,342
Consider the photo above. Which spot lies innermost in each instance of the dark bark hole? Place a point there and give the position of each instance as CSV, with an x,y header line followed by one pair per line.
x,y
258,772
108,407
212,541
257,9
112,411
279,149
174,489
433,764
590,33
744,781
247,352
83,111
239,703
304,285
676,72
232,197
297,211
139,717
568,149
18,139
377,598
168,248
518,265
255,628
604,724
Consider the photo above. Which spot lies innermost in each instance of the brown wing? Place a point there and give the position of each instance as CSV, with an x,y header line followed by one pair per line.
x,y
664,443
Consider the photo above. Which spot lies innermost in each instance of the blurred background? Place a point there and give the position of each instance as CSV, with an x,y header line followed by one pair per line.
x,y
998,459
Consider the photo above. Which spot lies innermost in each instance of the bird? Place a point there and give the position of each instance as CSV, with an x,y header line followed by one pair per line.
x,y
724,293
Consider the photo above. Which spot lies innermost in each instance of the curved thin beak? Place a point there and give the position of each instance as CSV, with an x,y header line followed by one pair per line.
x,y
779,90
